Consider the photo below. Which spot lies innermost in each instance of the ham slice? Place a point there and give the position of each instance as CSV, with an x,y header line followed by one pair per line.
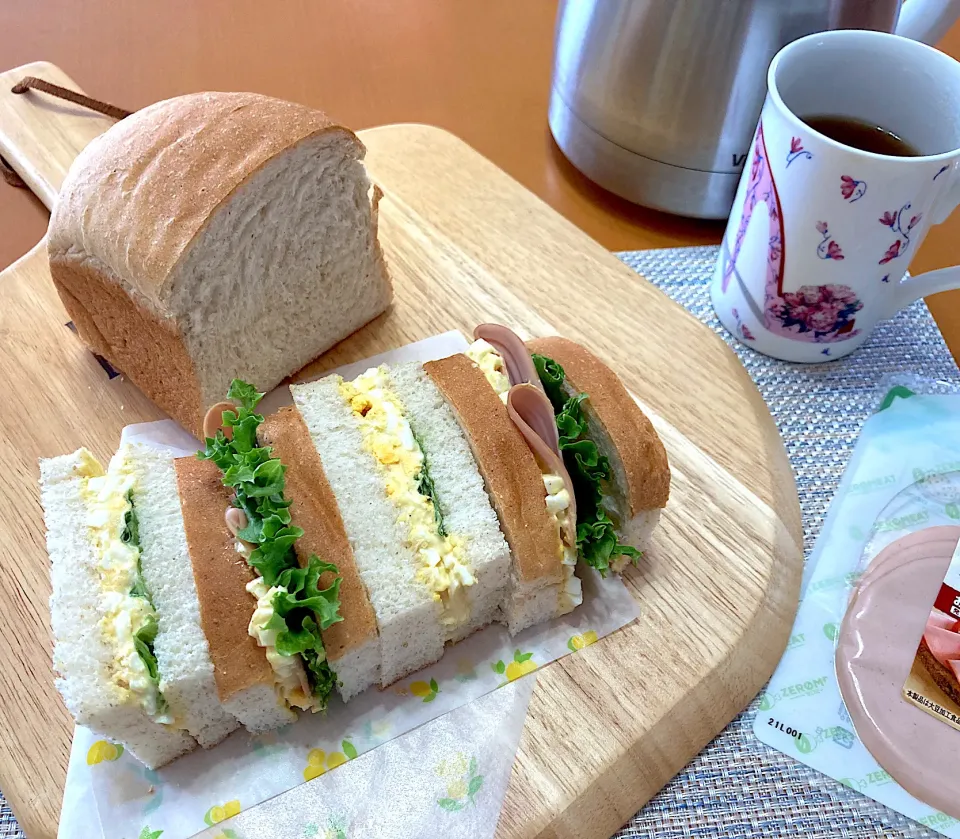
x,y
941,620
943,644
956,668
532,413
516,357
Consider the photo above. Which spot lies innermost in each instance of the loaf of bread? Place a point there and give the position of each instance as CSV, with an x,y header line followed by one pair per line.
x,y
214,236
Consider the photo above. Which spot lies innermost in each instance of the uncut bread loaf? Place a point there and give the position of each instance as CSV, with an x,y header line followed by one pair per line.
x,y
214,236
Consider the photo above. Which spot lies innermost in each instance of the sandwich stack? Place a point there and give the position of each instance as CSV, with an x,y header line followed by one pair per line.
x,y
343,542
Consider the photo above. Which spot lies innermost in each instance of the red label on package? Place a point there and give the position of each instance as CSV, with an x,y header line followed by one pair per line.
x,y
933,684
948,601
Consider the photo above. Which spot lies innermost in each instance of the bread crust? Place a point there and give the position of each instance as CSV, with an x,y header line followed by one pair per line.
x,y
638,444
221,575
942,677
510,471
143,346
315,510
142,169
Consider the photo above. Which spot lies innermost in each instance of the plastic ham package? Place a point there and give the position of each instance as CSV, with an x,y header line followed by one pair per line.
x,y
840,700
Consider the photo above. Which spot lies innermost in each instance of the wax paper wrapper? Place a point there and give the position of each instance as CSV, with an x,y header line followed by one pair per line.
x,y
204,787
899,480
447,778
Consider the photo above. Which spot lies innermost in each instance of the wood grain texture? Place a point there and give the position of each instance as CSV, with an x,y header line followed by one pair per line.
x,y
608,727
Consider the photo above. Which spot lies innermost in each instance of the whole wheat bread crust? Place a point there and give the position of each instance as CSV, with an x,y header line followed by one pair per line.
x,y
221,575
640,448
138,343
507,465
315,510
942,677
141,170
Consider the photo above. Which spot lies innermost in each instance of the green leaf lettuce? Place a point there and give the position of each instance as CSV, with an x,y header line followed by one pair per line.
x,y
589,470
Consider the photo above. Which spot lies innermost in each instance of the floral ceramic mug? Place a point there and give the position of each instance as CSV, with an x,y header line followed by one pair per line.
x,y
821,233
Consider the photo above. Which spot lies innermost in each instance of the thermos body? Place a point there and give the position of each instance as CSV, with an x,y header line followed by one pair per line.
x,y
657,100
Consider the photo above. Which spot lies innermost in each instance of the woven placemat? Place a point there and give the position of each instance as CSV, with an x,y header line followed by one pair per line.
x,y
738,788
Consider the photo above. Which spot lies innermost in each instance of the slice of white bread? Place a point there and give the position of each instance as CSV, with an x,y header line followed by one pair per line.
x,y
411,636
183,655
352,645
514,484
460,493
81,657
217,235
622,433
244,678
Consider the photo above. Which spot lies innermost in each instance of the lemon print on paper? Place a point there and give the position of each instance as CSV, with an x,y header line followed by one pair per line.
x,y
147,833
578,642
227,833
427,691
103,750
336,829
221,812
320,762
464,781
522,664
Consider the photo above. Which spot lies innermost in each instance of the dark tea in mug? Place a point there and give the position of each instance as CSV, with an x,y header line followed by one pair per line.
x,y
862,135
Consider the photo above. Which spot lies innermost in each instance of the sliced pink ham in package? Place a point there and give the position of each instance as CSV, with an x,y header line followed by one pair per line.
x,y
944,644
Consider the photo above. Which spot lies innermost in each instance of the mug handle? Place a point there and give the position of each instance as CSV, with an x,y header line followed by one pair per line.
x,y
927,20
910,289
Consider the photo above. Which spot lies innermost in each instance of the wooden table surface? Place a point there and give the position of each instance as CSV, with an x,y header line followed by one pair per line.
x,y
480,70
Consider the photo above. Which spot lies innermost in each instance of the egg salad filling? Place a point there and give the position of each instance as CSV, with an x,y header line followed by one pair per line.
x,y
129,622
292,609
558,505
490,362
440,556
292,684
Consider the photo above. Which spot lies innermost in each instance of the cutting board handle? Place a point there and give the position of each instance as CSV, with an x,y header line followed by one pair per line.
x,y
41,136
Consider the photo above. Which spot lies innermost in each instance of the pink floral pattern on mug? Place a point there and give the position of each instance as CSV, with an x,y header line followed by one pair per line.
x,y
825,311
797,150
743,330
851,189
828,248
894,220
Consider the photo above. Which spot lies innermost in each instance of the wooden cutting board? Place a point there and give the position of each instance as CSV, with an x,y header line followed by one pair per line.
x,y
607,727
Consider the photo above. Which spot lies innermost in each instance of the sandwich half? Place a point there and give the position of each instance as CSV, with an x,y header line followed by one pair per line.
x,y
115,652
264,609
633,475
615,457
353,644
425,541
247,685
532,502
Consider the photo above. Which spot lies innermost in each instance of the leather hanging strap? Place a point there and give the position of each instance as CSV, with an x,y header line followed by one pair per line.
x,y
33,83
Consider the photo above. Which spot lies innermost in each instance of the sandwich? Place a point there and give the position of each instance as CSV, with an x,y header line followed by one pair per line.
x,y
613,454
131,659
268,639
342,542
426,543
528,490
352,644
180,609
